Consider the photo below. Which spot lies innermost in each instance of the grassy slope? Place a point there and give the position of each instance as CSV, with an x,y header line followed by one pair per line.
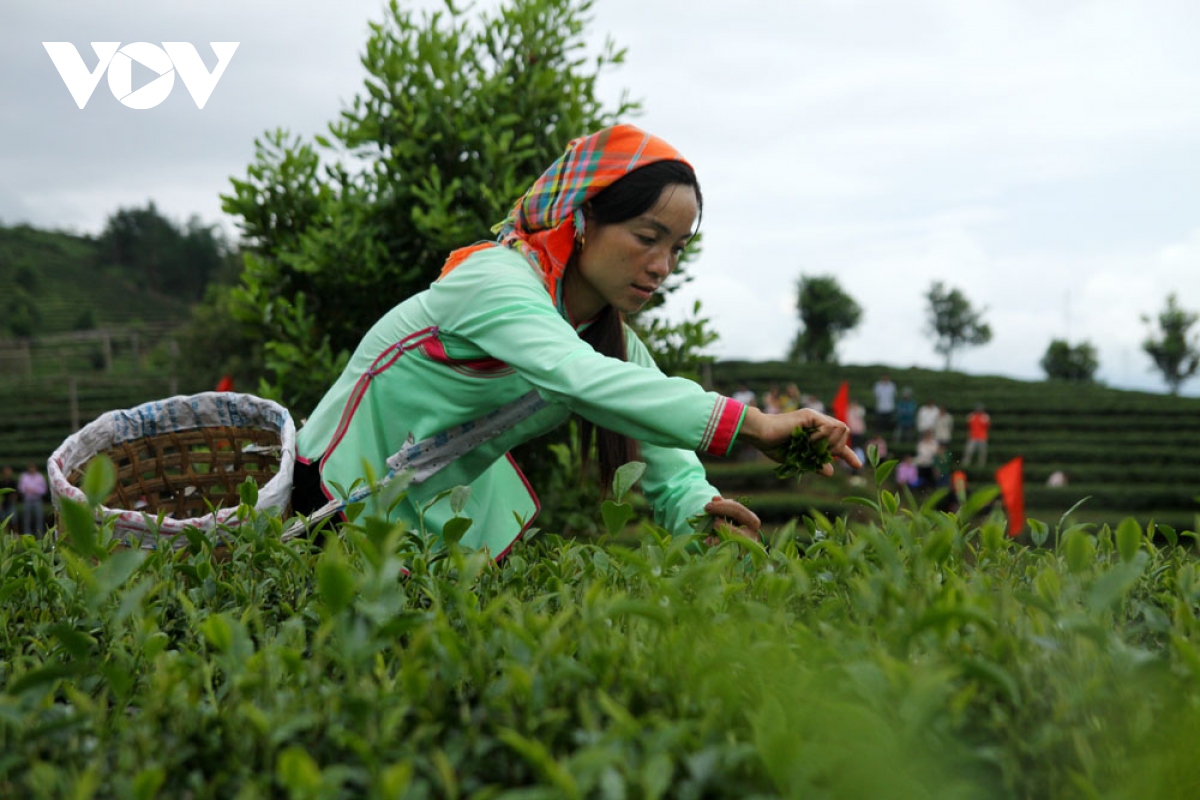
x,y
72,280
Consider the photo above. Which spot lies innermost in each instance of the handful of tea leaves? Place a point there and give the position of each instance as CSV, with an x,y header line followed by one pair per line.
x,y
803,454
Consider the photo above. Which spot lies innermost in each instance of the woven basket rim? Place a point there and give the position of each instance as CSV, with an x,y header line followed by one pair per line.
x,y
182,416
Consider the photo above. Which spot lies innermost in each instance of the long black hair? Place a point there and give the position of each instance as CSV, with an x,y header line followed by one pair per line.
x,y
631,196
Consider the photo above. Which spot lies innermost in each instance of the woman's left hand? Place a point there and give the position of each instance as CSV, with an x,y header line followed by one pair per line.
x,y
735,517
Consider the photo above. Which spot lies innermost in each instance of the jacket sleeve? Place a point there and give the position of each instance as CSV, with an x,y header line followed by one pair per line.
x,y
495,302
675,483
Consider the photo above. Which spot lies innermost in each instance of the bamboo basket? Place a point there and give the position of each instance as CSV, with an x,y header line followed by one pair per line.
x,y
179,463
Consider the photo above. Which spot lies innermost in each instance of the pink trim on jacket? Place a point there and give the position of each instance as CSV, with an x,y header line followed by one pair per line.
x,y
723,426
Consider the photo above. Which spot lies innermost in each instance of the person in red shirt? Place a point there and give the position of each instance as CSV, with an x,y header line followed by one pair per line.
x,y
978,426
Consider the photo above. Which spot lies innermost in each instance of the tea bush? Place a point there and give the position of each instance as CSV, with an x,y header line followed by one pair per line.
x,y
918,655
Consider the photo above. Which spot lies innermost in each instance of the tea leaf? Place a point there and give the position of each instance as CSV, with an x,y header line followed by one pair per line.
x,y
1038,531
217,630
148,783
80,525
99,478
803,454
248,492
336,582
458,499
76,642
1117,582
615,515
454,529
625,477
297,771
1129,538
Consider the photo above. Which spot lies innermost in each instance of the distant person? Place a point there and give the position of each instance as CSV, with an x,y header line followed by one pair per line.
x,y
906,473
906,418
880,444
773,401
32,488
885,402
791,399
958,490
8,500
943,427
746,396
943,466
927,452
927,417
811,401
856,418
978,426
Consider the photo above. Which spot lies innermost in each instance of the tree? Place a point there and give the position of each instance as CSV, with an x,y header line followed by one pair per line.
x,y
1174,355
461,112
1077,364
826,315
174,260
20,312
953,323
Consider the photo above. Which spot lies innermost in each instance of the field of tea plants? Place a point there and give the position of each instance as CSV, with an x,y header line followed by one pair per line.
x,y
916,654
1125,453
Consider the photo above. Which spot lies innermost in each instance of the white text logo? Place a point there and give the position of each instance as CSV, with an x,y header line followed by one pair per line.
x,y
165,61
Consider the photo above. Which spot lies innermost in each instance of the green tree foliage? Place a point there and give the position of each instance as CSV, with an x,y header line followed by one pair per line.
x,y
19,312
460,112
678,347
1064,362
953,322
826,315
21,315
179,261
1175,355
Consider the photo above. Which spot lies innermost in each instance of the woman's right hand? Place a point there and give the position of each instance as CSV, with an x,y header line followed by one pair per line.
x,y
769,433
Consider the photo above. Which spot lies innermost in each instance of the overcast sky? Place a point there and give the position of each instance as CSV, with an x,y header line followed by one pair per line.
x,y
1040,156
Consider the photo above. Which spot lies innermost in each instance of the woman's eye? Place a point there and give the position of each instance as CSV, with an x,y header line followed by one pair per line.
x,y
646,240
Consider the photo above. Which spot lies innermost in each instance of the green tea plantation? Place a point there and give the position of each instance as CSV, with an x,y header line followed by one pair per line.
x,y
915,654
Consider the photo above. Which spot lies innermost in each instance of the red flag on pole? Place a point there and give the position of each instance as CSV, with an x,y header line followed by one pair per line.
x,y
225,384
841,403
1011,480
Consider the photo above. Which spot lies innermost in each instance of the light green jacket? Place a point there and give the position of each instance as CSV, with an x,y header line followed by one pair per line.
x,y
479,339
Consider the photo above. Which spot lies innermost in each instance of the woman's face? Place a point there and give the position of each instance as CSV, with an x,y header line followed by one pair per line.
x,y
624,263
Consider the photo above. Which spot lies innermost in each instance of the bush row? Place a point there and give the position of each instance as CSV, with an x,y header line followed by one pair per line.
x,y
916,655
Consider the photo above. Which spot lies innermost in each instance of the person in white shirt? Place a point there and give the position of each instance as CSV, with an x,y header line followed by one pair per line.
x,y
885,402
927,416
943,427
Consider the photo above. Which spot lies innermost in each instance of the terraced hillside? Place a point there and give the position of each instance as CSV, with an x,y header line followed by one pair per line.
x,y
1129,453
71,286
38,412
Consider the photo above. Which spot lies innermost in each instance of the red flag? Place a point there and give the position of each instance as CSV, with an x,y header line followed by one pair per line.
x,y
1011,480
225,384
841,403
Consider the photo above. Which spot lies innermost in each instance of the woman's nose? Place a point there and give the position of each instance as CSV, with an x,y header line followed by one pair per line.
x,y
660,266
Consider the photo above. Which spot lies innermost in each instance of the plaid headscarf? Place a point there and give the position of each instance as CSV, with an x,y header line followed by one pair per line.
x,y
545,221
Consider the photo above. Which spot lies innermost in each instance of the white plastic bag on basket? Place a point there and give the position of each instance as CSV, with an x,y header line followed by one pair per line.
x,y
179,462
